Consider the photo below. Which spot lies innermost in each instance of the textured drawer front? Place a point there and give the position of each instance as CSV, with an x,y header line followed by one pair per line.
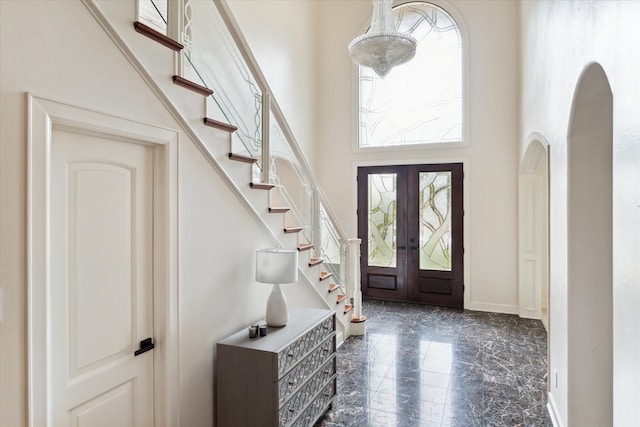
x,y
298,401
297,350
304,369
311,413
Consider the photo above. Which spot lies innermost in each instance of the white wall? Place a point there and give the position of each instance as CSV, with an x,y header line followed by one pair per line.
x,y
57,50
490,159
559,40
282,36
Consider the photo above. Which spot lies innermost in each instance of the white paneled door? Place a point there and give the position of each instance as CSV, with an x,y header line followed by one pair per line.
x,y
101,294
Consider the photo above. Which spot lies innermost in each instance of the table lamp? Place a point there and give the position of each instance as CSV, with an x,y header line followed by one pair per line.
x,y
277,266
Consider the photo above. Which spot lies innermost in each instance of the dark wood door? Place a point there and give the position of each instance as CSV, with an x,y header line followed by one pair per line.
x,y
410,220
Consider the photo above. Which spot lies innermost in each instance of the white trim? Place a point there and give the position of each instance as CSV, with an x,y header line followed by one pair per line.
x,y
553,412
491,307
43,116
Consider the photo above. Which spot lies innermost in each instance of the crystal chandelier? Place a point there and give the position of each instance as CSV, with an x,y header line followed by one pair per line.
x,y
382,47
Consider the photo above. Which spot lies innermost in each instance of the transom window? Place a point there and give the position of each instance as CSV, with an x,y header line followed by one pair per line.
x,y
419,102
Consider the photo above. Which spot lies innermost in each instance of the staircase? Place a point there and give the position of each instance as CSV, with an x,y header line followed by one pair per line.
x,y
262,161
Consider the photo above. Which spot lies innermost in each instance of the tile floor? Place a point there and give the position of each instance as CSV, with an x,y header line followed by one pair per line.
x,y
429,366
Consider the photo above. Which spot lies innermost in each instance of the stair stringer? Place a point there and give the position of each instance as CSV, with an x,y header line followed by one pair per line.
x,y
189,112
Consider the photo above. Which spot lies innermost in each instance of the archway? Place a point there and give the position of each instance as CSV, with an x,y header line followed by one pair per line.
x,y
590,252
533,211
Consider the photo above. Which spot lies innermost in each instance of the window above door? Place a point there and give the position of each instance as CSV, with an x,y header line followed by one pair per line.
x,y
420,102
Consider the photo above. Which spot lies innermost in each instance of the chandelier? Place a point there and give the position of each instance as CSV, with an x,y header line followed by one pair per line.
x,y
382,47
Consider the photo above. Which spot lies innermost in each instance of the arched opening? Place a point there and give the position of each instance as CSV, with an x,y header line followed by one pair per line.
x,y
533,211
590,252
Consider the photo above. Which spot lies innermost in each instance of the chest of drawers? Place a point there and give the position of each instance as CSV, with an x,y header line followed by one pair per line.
x,y
287,378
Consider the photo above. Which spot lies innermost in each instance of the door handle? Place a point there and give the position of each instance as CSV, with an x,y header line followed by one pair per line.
x,y
145,345
402,248
413,248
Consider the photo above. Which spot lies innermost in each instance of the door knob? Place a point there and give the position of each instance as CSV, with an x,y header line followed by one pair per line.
x,y
145,345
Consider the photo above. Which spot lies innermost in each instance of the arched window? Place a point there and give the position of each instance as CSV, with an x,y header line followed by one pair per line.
x,y
420,102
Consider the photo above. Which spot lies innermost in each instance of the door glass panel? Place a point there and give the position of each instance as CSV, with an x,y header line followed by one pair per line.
x,y
435,221
382,219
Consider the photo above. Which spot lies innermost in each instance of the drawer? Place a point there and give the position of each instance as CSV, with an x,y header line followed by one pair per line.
x,y
304,395
296,351
319,404
307,367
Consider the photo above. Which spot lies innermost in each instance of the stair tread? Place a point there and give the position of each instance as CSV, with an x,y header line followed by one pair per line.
x,y
292,229
188,84
358,320
219,125
347,308
341,298
305,247
157,36
315,261
324,275
333,287
261,186
241,158
281,209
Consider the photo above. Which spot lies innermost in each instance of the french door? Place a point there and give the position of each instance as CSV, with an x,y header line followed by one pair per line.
x,y
410,221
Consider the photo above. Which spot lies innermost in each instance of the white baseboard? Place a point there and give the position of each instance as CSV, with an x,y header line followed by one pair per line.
x,y
553,413
492,308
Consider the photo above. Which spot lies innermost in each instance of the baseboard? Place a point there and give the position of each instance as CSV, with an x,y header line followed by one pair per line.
x,y
529,314
492,308
553,413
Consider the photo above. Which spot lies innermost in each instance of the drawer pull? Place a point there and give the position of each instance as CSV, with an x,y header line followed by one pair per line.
x,y
292,382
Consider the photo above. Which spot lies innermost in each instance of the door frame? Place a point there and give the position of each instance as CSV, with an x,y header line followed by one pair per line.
x,y
43,116
466,189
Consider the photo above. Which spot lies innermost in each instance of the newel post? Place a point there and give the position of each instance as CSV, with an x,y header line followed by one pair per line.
x,y
357,321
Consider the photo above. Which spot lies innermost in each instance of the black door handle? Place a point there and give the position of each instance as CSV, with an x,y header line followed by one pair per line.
x,y
402,247
145,345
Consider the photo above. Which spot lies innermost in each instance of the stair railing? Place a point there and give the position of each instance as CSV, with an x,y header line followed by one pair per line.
x,y
216,55
320,225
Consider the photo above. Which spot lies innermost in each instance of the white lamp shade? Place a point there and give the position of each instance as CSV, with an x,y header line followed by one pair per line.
x,y
276,265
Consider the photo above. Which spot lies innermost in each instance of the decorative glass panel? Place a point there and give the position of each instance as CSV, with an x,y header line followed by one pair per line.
x,y
154,14
419,102
435,221
331,249
382,219
292,186
212,58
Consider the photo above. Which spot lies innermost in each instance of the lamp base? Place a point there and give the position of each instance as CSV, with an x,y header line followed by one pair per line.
x,y
277,311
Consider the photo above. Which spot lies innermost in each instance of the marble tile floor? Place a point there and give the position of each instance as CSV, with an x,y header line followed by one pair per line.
x,y
428,366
